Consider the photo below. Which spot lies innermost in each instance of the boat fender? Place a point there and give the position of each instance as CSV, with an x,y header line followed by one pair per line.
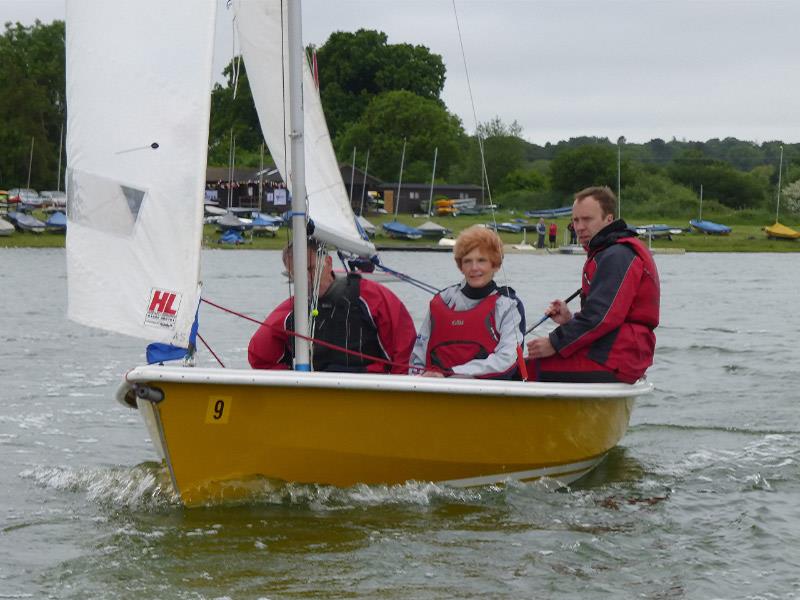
x,y
151,394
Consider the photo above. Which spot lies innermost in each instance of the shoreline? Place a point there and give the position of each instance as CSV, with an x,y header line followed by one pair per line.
x,y
743,239
49,240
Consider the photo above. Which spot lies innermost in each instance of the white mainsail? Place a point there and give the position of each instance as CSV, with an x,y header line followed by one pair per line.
x,y
139,76
264,44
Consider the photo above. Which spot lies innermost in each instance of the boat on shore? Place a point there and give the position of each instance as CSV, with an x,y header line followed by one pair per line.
x,y
710,227
572,249
778,231
550,213
25,222
707,227
132,272
6,228
657,231
398,230
56,222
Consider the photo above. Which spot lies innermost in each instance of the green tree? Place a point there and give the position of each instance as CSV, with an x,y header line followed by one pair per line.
x,y
576,168
503,151
524,179
495,127
32,102
790,198
234,114
655,194
720,180
356,67
394,116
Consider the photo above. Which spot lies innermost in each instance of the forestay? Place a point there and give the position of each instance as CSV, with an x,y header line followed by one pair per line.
x,y
138,93
264,45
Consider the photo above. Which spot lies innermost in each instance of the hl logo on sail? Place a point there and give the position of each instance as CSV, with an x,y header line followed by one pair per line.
x,y
162,308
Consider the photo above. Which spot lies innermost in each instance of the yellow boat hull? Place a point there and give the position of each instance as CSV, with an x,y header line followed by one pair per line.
x,y
782,232
215,428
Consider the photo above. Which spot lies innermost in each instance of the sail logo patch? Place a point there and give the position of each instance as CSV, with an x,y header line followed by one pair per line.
x,y
162,308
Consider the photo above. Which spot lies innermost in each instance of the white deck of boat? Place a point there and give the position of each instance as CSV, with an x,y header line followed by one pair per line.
x,y
378,382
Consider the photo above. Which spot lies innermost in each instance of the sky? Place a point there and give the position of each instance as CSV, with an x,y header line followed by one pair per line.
x,y
640,69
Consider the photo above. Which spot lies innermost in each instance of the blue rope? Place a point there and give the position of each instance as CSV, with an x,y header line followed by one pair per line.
x,y
407,278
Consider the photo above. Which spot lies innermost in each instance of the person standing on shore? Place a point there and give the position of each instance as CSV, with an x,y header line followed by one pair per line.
x,y
573,237
612,337
552,232
541,230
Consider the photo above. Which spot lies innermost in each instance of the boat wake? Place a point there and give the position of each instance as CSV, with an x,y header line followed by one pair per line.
x,y
145,486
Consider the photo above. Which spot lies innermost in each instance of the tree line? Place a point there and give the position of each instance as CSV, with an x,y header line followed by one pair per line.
x,y
379,96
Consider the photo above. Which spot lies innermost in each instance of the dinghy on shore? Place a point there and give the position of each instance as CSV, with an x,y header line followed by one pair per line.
x,y
6,228
709,227
778,231
781,232
25,222
402,231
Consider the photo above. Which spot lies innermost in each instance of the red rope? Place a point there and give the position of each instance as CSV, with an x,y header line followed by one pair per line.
x,y
214,354
376,359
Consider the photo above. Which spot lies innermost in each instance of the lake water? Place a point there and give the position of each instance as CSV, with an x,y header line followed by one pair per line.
x,y
700,500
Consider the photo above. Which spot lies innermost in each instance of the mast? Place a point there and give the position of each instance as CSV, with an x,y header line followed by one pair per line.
x,y
700,217
619,176
60,153
298,178
400,182
30,164
433,175
364,187
780,170
261,179
352,175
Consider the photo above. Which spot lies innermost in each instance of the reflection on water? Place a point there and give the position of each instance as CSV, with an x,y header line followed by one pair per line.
x,y
698,501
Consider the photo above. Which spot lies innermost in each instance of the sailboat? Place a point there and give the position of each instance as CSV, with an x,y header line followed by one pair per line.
x,y
137,167
708,227
778,230
396,229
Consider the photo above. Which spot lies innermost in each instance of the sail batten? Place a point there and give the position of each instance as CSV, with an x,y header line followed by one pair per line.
x,y
139,77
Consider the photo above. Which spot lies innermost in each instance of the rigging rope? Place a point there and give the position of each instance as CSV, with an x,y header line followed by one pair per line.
x,y
485,178
383,361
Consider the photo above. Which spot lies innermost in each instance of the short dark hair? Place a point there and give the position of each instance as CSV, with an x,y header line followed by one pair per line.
x,y
312,245
604,196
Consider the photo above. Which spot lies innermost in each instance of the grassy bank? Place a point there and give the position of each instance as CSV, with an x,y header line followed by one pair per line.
x,y
744,238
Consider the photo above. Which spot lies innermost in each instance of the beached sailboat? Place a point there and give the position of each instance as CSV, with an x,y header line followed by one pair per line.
x,y
708,227
25,222
6,228
778,230
137,165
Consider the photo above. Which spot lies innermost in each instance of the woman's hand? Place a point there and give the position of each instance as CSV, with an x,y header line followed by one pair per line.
x,y
433,374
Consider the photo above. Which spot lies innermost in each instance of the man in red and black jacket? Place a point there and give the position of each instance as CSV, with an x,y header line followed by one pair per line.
x,y
612,337
355,314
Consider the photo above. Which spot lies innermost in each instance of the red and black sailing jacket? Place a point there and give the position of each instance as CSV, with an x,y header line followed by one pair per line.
x,y
342,320
459,336
620,297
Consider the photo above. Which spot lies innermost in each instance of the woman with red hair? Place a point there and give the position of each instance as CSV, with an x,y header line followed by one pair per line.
x,y
473,328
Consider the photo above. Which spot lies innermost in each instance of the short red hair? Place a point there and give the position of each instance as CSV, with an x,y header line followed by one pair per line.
x,y
481,238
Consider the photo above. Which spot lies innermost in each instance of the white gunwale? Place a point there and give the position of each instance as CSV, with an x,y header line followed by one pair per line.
x,y
377,382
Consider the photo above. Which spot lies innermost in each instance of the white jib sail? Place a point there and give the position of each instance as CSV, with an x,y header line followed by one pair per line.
x,y
139,76
263,41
